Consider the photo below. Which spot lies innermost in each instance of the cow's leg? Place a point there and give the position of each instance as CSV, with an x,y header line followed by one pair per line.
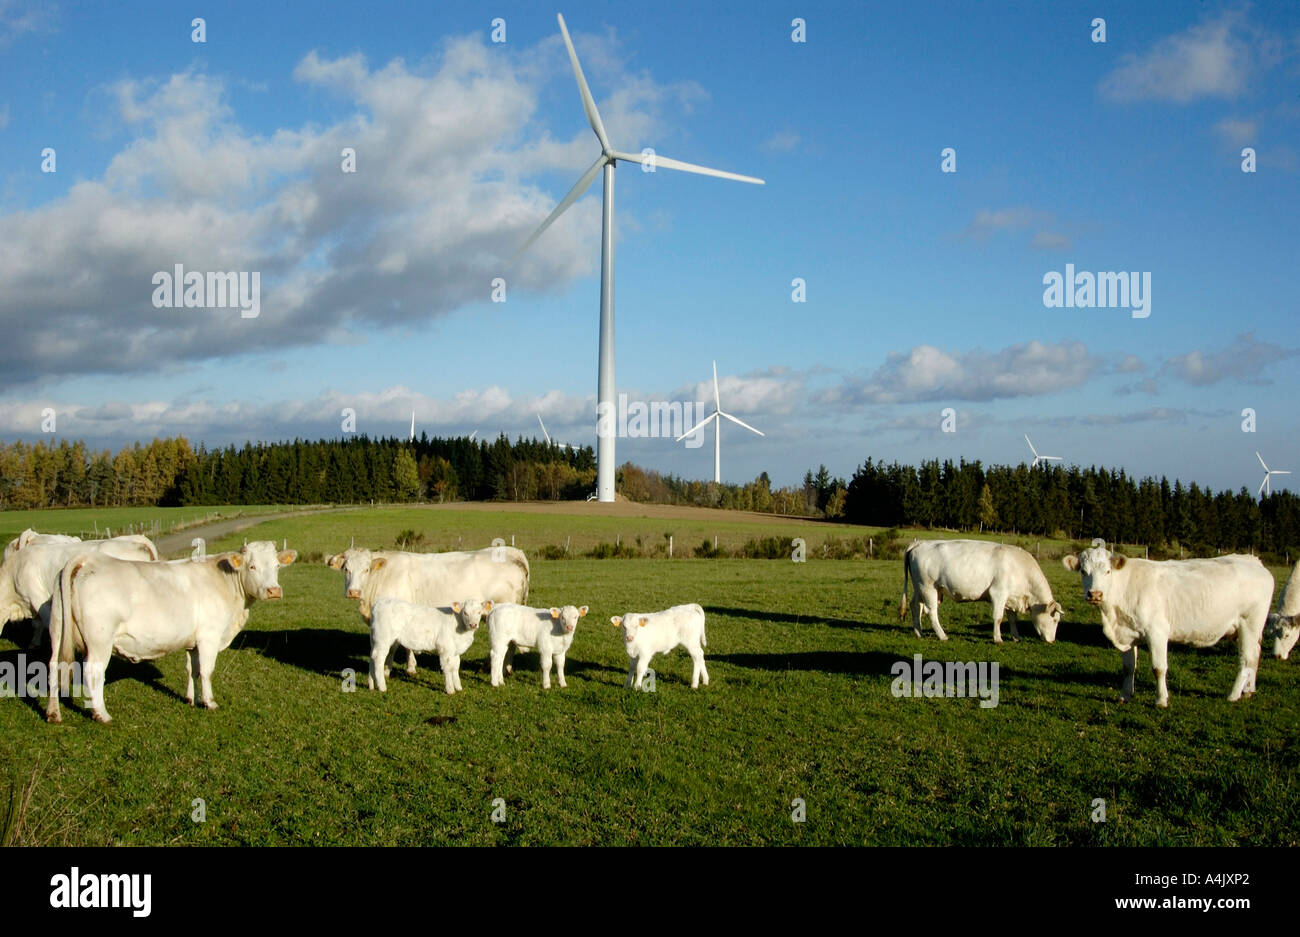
x,y
999,609
1248,653
642,665
449,664
545,664
410,663
191,665
915,604
1129,658
495,658
207,664
931,600
559,669
380,657
510,659
96,666
631,669
1015,632
698,671
388,659
1159,647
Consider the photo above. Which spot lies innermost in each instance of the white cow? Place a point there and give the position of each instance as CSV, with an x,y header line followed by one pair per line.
x,y
31,536
646,634
550,630
448,632
1284,625
1193,602
30,576
975,571
142,611
499,574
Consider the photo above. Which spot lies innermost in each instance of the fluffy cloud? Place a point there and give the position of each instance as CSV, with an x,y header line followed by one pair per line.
x,y
438,204
927,373
1215,58
1245,359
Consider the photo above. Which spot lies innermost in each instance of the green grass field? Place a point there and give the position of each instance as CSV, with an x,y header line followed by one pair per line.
x,y
87,522
799,706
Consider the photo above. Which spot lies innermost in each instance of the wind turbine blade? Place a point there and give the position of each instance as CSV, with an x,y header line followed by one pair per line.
x,y
1032,449
1260,490
544,432
1261,460
664,162
741,423
1280,472
700,425
588,103
717,405
574,194
472,435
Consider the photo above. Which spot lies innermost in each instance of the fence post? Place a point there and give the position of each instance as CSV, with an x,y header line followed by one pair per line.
x,y
871,547
670,546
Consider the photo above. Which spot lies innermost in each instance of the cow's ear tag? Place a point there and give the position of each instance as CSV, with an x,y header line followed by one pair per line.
x,y
643,621
555,613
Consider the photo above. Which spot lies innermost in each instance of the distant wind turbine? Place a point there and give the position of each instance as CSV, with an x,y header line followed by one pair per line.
x,y
1264,486
412,426
1041,458
472,435
608,158
563,445
717,428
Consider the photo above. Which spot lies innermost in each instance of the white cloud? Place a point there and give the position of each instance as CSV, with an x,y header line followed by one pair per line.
x,y
927,373
782,142
440,201
1237,132
1215,58
1246,359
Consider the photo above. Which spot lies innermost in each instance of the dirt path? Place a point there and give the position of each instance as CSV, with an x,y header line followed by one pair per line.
x,y
180,543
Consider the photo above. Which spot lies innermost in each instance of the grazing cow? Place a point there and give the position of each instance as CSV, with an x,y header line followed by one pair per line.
x,y
1193,602
29,577
446,631
975,571
142,611
1284,625
550,630
649,633
499,574
31,536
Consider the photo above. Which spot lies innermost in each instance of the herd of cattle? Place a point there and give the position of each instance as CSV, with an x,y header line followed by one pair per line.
x,y
116,596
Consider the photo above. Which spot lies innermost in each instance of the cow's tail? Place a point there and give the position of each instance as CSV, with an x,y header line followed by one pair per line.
x,y
907,559
704,639
522,562
63,625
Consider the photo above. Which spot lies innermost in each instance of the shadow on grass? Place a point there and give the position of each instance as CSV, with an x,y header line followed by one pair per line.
x,y
845,662
787,618
325,651
143,672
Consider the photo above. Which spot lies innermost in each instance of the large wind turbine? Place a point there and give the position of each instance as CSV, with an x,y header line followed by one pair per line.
x,y
717,428
1041,458
1264,486
605,422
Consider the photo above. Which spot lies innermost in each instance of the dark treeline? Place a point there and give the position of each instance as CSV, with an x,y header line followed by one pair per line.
x,y
170,473
1074,503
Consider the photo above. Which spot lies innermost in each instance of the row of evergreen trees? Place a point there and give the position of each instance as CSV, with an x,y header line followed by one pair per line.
x,y
1078,503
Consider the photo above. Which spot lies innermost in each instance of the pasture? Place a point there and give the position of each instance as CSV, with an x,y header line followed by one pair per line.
x,y
799,706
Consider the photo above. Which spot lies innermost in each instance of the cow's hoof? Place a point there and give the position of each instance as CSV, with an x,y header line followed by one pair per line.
x,y
1162,704
53,718
509,670
105,720
190,700
997,640
212,705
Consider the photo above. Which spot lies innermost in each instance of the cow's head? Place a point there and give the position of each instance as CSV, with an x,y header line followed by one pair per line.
x,y
1095,565
470,613
568,617
357,564
629,624
1283,629
1046,618
258,567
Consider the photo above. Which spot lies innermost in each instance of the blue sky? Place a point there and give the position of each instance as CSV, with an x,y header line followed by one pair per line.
x,y
924,289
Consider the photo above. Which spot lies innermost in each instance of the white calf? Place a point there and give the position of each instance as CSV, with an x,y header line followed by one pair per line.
x,y
648,634
550,630
448,632
1284,624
